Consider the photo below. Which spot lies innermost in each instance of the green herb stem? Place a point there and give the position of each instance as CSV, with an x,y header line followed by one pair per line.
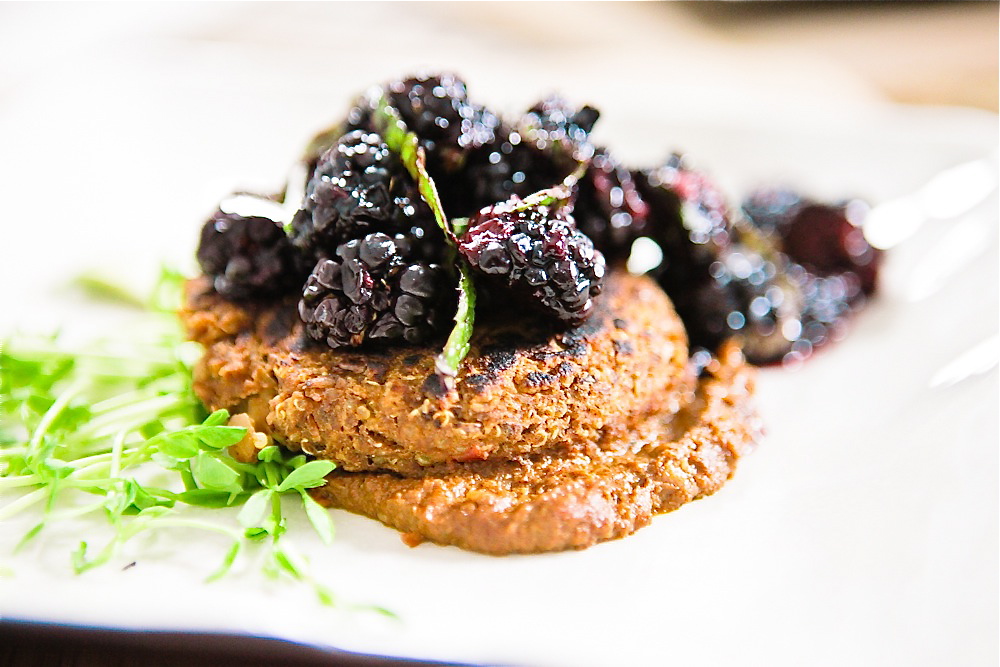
x,y
60,404
17,481
22,503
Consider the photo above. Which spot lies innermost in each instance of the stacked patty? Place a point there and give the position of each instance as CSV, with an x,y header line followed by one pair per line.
x,y
440,305
550,438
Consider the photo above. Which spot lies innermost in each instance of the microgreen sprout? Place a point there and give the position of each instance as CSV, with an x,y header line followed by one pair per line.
x,y
115,431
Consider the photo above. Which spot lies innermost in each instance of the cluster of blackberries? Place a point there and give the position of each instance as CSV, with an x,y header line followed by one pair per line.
x,y
781,273
375,265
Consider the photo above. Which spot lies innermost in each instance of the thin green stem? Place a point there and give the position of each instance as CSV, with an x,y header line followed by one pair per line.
x,y
16,481
60,404
23,503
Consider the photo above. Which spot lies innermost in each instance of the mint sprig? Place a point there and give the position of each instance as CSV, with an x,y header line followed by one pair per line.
x,y
406,144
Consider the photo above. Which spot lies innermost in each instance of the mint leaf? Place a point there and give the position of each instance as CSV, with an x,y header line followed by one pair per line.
x,y
406,144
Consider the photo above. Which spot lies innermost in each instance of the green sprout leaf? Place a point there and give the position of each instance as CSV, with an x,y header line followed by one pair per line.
x,y
255,508
114,431
307,476
210,472
319,517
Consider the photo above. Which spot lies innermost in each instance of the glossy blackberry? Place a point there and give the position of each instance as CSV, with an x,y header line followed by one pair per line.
x,y
358,187
538,255
748,295
554,125
687,217
506,168
690,216
537,152
609,207
247,256
437,108
825,238
372,292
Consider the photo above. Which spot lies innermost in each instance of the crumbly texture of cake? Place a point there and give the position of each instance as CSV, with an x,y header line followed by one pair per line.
x,y
527,385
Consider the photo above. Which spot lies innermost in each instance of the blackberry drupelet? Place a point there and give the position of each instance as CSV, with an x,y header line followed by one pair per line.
x,y
248,256
609,207
538,255
359,187
373,292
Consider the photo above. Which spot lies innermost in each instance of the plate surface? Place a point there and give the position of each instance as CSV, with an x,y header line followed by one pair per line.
x,y
862,531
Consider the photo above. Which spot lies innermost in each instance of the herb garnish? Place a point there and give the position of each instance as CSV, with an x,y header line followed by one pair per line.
x,y
115,430
406,144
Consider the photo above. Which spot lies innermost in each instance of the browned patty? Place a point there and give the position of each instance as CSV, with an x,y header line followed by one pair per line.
x,y
525,387
541,502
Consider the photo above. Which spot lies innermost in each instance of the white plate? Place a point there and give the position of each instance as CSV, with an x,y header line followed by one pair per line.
x,y
862,531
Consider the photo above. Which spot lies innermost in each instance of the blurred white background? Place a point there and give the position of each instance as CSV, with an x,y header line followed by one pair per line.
x,y
867,525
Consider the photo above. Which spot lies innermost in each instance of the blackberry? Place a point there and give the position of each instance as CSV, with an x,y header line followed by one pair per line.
x,y
690,217
556,126
538,255
248,255
687,217
825,238
748,294
372,291
610,208
495,173
437,108
358,187
538,152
